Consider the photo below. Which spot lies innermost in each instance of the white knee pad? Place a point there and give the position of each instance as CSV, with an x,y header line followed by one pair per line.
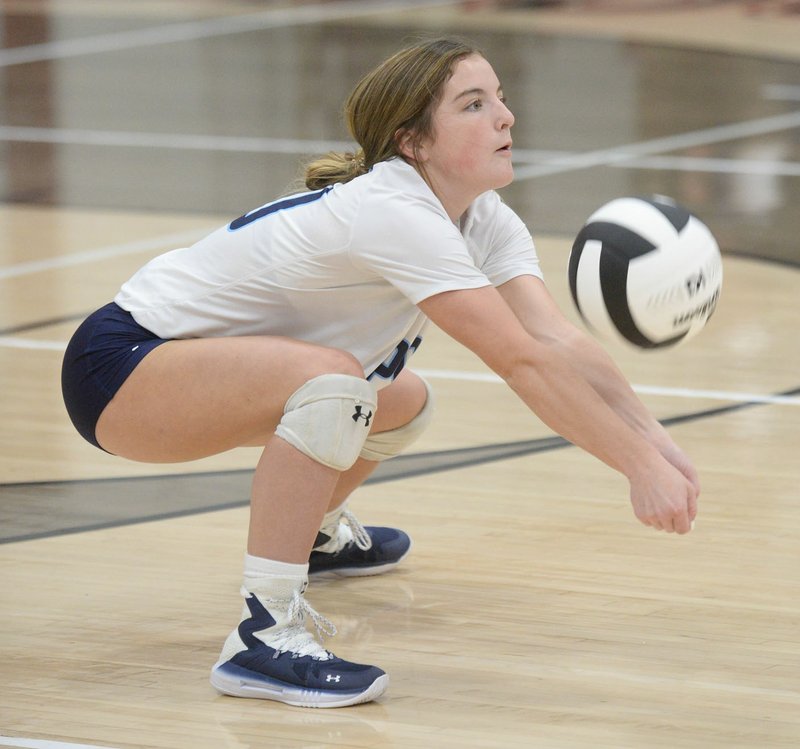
x,y
384,445
329,418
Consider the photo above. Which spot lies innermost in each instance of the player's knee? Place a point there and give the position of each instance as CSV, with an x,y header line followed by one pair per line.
x,y
384,445
328,418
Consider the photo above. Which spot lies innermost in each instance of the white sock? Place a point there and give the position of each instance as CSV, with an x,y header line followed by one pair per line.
x,y
333,516
268,577
261,567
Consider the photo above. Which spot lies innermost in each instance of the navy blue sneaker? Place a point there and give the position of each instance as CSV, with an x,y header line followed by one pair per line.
x,y
272,656
345,548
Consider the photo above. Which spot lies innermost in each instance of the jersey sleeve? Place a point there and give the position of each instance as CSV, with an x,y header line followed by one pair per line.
x,y
504,246
412,244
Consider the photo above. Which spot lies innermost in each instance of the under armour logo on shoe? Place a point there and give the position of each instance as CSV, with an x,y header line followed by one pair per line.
x,y
358,415
331,677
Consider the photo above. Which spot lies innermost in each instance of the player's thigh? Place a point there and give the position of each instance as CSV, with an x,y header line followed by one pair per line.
x,y
192,398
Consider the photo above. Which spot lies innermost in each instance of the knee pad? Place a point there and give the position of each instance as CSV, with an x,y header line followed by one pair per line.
x,y
384,445
329,418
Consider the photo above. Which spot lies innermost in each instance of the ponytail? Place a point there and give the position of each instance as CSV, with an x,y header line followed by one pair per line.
x,y
334,167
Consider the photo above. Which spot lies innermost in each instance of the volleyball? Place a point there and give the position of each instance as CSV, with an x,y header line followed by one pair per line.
x,y
645,271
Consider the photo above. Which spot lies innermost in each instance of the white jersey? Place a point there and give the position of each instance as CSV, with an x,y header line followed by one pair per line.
x,y
342,267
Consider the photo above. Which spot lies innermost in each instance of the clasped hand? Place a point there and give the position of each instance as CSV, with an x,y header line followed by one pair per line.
x,y
664,494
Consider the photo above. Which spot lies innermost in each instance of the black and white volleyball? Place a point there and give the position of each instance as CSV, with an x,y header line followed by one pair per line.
x,y
645,270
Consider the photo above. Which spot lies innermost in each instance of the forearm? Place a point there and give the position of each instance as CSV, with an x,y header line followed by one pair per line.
x,y
592,362
561,395
596,366
544,321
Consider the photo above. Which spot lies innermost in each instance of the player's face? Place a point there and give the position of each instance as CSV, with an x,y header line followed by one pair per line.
x,y
470,151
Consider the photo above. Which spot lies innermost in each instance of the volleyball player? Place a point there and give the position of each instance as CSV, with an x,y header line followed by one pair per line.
x,y
291,328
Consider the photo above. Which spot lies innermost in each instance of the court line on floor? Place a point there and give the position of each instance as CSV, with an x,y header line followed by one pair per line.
x,y
780,92
163,242
523,158
722,395
692,138
31,344
22,743
489,377
685,684
51,502
205,29
714,166
602,157
172,141
448,374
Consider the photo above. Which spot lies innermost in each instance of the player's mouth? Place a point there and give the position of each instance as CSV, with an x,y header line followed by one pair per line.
x,y
505,149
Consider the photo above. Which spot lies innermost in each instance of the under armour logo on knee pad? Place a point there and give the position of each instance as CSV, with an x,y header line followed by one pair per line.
x,y
358,415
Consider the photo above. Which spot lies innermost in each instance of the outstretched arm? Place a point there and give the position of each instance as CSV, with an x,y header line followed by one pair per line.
x,y
535,308
557,391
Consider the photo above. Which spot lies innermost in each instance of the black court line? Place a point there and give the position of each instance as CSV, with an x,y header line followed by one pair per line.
x,y
37,510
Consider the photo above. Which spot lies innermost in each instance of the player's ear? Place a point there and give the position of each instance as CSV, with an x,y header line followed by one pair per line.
x,y
408,145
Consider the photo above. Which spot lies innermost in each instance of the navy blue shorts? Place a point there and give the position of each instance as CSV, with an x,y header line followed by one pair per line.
x,y
104,350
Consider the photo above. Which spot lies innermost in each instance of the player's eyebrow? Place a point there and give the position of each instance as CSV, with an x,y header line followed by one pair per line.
x,y
475,92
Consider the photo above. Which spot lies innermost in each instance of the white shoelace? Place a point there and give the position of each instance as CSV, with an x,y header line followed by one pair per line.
x,y
360,536
294,637
347,529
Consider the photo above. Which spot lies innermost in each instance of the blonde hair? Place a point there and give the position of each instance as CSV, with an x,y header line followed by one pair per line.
x,y
396,98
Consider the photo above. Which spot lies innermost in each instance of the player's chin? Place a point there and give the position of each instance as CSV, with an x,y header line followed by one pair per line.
x,y
505,176
509,180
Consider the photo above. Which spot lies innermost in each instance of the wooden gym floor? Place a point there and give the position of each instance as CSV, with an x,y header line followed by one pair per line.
x,y
534,611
